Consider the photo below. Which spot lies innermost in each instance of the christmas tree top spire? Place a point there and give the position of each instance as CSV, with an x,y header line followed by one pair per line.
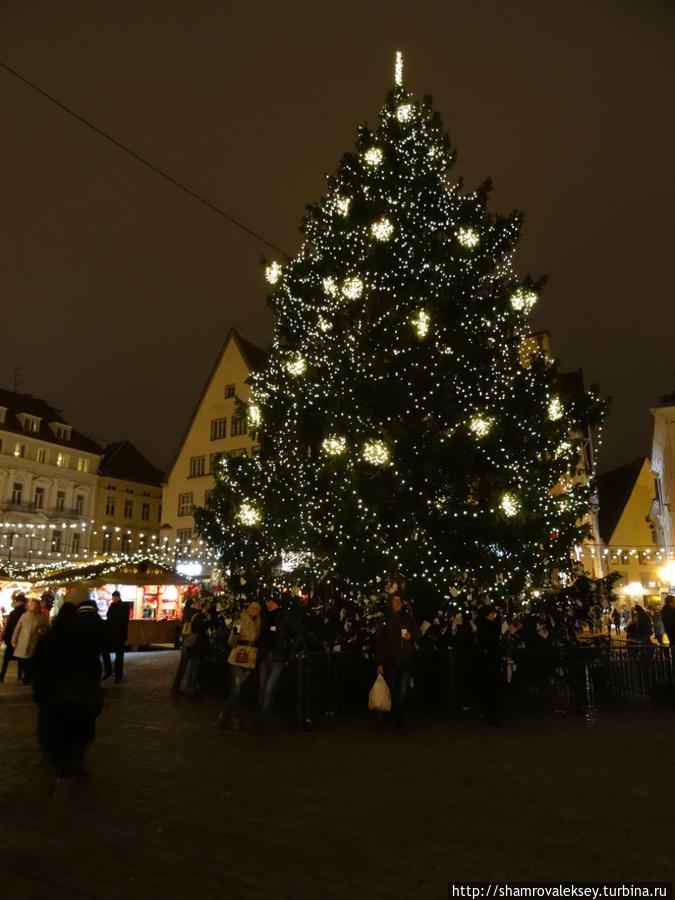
x,y
398,69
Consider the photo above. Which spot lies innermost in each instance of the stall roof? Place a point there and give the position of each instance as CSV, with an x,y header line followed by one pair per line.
x,y
100,572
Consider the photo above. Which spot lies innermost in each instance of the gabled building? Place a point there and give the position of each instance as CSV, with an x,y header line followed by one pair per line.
x,y
128,502
626,496
47,481
214,429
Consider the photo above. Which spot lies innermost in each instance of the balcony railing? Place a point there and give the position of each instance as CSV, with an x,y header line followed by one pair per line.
x,y
55,512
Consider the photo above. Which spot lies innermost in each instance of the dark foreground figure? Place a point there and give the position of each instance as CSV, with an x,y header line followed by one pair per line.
x,y
66,681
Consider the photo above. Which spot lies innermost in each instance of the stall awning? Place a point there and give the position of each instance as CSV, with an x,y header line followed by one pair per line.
x,y
99,572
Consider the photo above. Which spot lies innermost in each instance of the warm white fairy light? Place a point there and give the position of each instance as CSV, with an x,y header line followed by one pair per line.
x,y
352,288
421,323
510,504
376,453
523,300
382,230
342,204
330,286
296,366
398,68
249,514
373,156
468,237
334,444
555,409
404,112
480,426
254,415
324,324
273,272
563,448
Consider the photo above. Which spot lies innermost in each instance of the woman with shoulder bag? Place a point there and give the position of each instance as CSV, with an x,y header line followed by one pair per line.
x,y
242,660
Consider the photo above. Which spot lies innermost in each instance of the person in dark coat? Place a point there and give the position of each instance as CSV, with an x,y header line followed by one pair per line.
x,y
12,620
279,636
67,684
394,648
668,618
616,618
116,629
489,660
197,653
190,609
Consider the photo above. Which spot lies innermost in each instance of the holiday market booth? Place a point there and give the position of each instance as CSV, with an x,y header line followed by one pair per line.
x,y
153,591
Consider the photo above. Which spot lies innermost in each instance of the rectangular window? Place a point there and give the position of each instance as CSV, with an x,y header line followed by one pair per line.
x,y
56,541
185,504
82,464
196,466
110,506
17,493
230,390
218,429
238,426
76,542
207,497
183,535
63,460
19,450
60,501
128,509
126,543
159,513
213,461
79,504
30,423
41,455
39,498
62,432
145,512
107,543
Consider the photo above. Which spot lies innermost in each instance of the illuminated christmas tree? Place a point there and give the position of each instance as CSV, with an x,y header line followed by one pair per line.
x,y
403,425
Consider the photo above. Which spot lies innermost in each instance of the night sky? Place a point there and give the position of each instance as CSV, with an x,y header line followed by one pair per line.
x,y
117,289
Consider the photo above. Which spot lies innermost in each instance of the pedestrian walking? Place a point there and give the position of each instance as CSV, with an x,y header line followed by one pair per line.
x,y
279,637
616,618
394,647
242,661
607,621
67,689
190,609
32,625
657,624
489,653
668,618
199,649
116,631
19,603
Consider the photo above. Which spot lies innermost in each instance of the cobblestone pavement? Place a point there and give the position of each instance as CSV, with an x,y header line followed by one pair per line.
x,y
175,808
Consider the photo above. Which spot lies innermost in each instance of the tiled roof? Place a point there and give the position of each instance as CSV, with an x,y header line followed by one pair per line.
x,y
123,460
16,404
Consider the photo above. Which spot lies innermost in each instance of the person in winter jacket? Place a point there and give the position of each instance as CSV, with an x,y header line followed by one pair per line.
x,y
116,630
199,649
394,648
10,626
67,684
489,660
190,608
279,636
245,634
32,625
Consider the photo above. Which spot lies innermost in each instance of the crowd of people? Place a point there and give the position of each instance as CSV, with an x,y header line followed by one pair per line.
x,y
638,624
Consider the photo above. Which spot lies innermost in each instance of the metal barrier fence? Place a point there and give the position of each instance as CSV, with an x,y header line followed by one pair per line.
x,y
323,686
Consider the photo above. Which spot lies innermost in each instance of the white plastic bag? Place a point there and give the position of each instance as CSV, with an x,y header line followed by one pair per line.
x,y
379,698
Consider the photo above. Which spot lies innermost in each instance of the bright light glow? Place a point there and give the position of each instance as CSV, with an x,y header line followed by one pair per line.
x,y
352,288
249,514
521,299
373,156
667,573
480,426
296,366
404,112
555,409
563,448
398,68
254,415
191,569
510,504
330,286
421,323
343,204
376,453
382,230
324,325
634,589
291,559
334,445
468,237
273,272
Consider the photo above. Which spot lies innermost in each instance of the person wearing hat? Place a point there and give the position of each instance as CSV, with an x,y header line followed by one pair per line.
x,y
117,628
19,604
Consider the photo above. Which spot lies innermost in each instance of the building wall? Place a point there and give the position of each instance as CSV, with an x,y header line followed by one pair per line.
x,y
184,487
127,515
47,498
663,467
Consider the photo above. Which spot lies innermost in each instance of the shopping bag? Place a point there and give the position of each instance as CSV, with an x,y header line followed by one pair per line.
x,y
379,698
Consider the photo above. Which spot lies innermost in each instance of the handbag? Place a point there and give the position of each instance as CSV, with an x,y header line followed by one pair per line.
x,y
379,698
243,656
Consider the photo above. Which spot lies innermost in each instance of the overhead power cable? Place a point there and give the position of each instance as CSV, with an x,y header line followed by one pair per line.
x,y
141,159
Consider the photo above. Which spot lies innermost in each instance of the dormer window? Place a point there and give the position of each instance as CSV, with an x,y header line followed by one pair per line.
x,y
62,432
30,423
